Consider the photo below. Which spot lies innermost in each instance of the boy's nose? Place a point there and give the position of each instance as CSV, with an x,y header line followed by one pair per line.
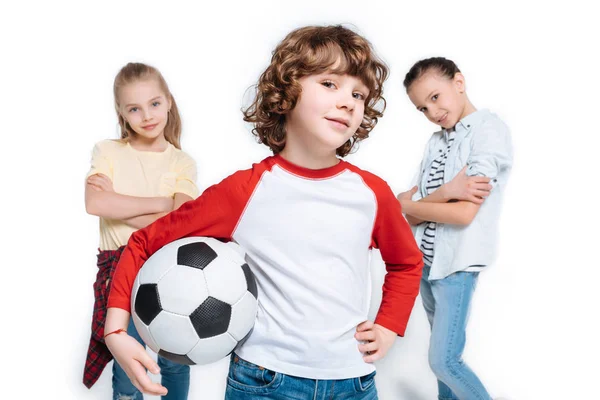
x,y
346,102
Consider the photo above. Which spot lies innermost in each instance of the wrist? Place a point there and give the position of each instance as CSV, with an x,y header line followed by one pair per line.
x,y
443,192
406,205
167,204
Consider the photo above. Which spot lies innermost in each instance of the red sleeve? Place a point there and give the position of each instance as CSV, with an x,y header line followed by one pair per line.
x,y
215,214
403,259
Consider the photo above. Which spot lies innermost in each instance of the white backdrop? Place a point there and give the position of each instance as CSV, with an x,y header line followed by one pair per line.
x,y
533,331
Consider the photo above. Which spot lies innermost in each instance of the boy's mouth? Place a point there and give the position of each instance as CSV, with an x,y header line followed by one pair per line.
x,y
443,119
341,121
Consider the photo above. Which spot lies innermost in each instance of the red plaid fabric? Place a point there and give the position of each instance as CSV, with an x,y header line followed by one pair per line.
x,y
98,355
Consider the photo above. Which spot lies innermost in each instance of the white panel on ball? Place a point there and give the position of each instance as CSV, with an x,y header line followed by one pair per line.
x,y
212,349
243,315
182,290
231,251
175,333
144,333
224,280
163,260
134,291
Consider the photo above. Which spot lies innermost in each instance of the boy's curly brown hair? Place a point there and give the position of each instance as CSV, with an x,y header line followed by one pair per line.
x,y
307,51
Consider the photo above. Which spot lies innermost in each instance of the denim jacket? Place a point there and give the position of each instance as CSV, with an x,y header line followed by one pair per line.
x,y
482,141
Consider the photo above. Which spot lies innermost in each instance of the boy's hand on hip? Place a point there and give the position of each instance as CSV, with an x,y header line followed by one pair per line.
x,y
376,339
134,360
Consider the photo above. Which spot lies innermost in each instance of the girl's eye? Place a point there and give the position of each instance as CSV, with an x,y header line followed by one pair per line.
x,y
358,96
435,97
328,84
133,109
156,104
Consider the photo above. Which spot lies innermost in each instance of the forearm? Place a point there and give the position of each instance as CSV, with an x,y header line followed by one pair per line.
x,y
116,318
400,289
119,206
456,213
438,196
142,221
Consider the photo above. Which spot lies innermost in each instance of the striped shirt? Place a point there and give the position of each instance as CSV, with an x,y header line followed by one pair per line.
x,y
434,181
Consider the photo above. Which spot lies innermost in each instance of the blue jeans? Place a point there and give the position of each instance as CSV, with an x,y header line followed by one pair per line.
x,y
446,303
175,377
247,381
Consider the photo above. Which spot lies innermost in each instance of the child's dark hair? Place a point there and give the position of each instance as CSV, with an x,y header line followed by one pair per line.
x,y
446,68
313,50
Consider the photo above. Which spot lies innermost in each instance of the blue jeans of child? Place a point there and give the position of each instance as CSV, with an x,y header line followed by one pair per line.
x,y
446,303
175,377
247,381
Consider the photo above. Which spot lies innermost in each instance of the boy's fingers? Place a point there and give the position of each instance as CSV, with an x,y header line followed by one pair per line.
x,y
148,363
369,358
144,383
371,346
363,326
365,335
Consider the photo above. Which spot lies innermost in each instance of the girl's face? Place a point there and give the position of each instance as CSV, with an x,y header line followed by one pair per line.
x,y
145,107
328,113
442,100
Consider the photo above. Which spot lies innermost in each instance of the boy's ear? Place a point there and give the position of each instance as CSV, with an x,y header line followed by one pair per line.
x,y
459,82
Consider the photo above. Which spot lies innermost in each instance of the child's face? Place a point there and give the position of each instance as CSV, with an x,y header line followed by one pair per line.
x,y
329,111
145,107
442,100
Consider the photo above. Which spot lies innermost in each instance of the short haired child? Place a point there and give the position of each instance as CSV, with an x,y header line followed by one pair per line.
x,y
307,221
455,212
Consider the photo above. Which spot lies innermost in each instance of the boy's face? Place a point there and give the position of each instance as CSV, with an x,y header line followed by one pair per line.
x,y
145,107
329,111
442,100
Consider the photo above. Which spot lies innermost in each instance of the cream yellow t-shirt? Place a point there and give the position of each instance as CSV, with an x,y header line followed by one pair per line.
x,y
143,174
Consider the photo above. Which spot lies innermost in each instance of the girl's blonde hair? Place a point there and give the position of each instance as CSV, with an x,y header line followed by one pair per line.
x,y
134,72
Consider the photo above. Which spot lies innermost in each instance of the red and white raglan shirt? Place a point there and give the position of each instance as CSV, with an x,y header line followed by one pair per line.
x,y
307,236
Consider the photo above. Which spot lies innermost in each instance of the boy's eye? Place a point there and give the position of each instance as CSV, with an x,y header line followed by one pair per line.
x,y
423,109
435,97
328,84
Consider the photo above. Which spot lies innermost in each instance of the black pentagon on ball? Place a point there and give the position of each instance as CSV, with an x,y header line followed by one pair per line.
x,y
177,358
195,255
147,302
250,281
211,318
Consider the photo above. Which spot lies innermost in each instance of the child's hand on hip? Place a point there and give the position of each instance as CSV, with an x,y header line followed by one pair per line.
x,y
376,339
134,360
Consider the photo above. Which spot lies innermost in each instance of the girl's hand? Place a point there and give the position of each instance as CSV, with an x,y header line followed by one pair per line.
x,y
101,182
378,340
407,196
134,360
470,188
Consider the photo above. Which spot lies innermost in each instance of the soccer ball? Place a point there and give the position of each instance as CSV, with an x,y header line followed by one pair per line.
x,y
194,300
